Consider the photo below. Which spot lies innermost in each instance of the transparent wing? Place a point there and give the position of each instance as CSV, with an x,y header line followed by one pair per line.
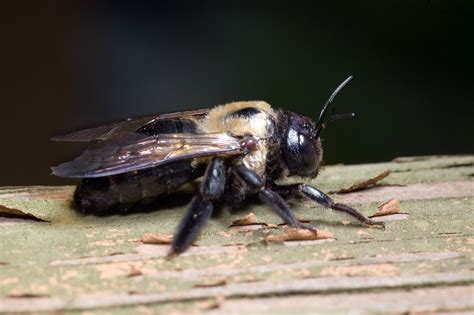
x,y
131,125
135,151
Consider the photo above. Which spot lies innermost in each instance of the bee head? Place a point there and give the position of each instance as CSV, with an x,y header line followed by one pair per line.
x,y
302,150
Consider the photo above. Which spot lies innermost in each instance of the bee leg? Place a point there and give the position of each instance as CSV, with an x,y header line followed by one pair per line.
x,y
323,199
326,201
201,207
269,197
286,191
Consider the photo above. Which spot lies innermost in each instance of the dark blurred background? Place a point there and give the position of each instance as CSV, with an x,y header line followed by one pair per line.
x,y
68,65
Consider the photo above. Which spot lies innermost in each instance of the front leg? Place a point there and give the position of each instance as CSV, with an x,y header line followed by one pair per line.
x,y
201,207
326,201
269,197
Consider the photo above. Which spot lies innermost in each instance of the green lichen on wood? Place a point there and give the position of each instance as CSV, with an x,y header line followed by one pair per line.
x,y
68,255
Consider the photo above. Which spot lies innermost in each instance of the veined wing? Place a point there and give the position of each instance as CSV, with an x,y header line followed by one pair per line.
x,y
128,126
135,151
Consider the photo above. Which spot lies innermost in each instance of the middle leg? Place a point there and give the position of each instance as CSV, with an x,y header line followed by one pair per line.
x,y
256,185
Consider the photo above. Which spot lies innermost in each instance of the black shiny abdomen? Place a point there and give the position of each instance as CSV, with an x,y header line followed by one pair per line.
x,y
122,193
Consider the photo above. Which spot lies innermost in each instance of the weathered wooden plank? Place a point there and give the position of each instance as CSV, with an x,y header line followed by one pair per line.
x,y
262,288
452,300
68,261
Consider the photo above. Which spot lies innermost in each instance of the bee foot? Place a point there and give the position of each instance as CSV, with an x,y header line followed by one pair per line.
x,y
307,226
373,223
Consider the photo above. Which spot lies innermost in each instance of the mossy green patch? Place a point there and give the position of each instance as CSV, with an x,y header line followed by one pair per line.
x,y
68,254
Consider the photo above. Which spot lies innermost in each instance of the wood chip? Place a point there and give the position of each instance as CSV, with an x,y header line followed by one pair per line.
x,y
27,295
247,220
210,284
390,207
292,234
157,238
211,304
135,271
17,201
363,184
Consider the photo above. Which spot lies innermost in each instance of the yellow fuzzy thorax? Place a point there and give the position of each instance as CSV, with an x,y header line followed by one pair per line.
x,y
259,126
218,119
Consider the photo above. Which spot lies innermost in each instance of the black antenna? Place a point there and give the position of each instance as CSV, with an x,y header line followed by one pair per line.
x,y
330,99
331,119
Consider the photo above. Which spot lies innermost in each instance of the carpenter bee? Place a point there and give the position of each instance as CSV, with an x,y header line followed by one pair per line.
x,y
239,149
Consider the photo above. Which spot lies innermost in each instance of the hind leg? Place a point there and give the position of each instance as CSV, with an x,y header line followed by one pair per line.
x,y
201,207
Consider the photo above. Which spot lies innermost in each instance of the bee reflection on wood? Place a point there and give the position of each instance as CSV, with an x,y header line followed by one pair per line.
x,y
239,149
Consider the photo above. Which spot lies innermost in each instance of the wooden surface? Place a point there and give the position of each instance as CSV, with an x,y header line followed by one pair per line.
x,y
53,259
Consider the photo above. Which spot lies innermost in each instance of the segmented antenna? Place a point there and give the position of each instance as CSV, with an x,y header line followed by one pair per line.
x,y
320,125
331,98
331,119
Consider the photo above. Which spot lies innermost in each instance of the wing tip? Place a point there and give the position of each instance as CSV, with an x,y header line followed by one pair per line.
x,y
58,138
69,170
62,170
71,137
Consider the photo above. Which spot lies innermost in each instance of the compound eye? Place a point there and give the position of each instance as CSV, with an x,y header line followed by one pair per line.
x,y
308,153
